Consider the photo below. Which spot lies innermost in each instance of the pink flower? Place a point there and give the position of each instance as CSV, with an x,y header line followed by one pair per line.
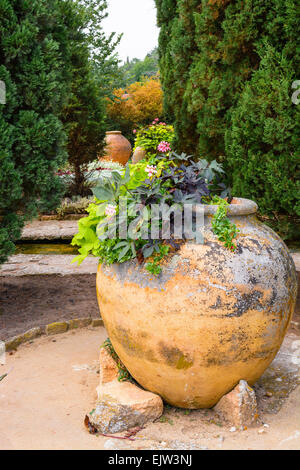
x,y
164,147
151,170
156,119
110,210
134,131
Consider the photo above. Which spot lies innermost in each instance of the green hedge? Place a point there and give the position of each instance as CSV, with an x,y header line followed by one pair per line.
x,y
262,144
227,70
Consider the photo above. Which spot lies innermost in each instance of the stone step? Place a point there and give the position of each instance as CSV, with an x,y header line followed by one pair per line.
x,y
34,265
50,230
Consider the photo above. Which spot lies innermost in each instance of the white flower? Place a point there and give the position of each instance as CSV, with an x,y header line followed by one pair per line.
x,y
151,170
110,210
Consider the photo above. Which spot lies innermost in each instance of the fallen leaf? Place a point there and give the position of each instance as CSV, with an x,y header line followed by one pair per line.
x,y
91,428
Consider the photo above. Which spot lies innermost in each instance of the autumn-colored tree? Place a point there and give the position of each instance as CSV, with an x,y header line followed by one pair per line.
x,y
136,106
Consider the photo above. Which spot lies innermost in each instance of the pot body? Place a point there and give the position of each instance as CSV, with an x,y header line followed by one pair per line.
x,y
211,318
118,148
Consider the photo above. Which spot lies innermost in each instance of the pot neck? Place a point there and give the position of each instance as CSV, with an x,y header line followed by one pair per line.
x,y
238,206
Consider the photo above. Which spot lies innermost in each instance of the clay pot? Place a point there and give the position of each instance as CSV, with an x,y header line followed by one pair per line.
x,y
118,148
211,318
138,155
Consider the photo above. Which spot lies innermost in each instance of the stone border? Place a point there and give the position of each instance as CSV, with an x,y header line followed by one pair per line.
x,y
51,329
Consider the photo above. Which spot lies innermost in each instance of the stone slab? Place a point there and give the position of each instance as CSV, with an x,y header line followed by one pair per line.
x,y
121,405
33,265
239,407
50,230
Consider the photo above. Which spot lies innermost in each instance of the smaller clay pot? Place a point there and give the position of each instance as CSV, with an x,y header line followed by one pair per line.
x,y
118,148
139,154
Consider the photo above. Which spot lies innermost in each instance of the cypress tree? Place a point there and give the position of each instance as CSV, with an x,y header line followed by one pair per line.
x,y
176,47
263,144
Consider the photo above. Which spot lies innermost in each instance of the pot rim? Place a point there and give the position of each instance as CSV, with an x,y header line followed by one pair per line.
x,y
238,206
113,132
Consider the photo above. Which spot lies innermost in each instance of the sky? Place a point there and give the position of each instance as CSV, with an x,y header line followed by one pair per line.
x,y
137,20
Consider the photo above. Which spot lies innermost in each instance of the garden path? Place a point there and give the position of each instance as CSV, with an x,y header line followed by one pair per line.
x,y
52,385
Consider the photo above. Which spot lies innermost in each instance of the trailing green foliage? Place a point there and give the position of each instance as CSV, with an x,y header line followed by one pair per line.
x,y
123,374
225,230
227,70
154,267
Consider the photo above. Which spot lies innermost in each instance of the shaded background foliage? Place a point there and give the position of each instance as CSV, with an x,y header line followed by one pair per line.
x,y
94,67
135,70
34,39
227,69
54,59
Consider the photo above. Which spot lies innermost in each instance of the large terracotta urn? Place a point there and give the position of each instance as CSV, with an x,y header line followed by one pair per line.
x,y
212,318
118,148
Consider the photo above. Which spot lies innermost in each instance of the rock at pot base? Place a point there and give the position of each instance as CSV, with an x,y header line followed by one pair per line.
x,y
121,405
239,407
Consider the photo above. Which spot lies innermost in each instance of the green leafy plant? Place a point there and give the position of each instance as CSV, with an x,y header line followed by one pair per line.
x,y
108,193
150,137
177,180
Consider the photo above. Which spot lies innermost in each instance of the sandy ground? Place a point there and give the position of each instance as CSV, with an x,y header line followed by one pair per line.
x,y
51,386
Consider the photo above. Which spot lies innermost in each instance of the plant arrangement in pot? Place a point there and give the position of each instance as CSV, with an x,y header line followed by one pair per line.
x,y
157,137
188,315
